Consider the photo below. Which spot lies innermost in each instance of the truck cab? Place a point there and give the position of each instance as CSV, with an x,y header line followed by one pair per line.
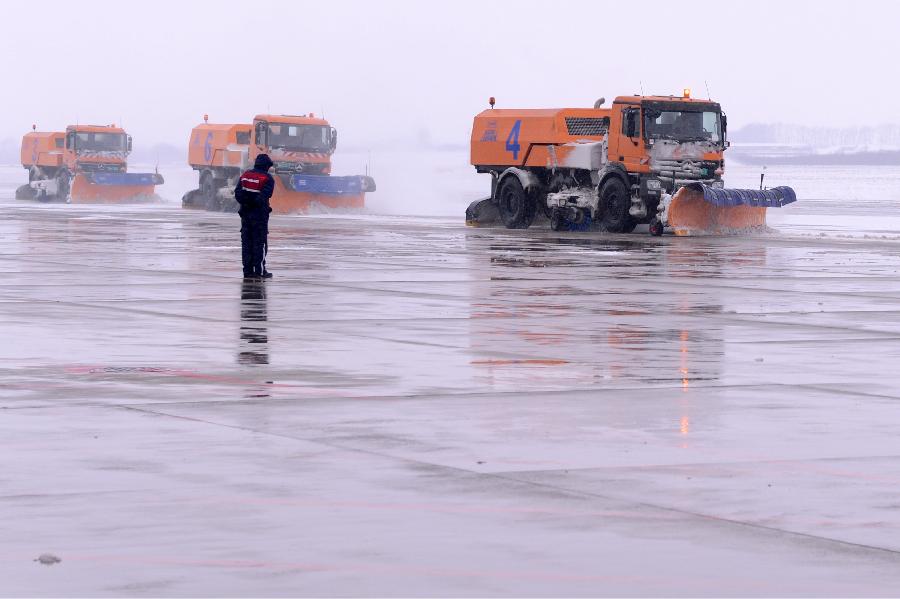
x,y
96,148
675,140
296,144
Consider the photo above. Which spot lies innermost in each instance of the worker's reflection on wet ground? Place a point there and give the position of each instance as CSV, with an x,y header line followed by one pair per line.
x,y
254,344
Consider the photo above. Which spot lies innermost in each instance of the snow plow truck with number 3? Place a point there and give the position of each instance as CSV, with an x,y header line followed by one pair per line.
x,y
646,159
85,163
301,148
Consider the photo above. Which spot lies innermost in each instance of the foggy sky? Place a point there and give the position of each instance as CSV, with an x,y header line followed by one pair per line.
x,y
391,71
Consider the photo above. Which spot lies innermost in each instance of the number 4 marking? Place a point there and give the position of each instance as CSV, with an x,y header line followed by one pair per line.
x,y
512,142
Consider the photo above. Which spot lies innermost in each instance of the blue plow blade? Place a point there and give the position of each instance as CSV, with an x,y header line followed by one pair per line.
x,y
326,184
124,178
764,198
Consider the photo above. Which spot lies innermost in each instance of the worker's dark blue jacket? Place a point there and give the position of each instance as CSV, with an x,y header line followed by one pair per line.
x,y
254,189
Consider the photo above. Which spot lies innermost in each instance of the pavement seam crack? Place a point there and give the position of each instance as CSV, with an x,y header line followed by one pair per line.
x,y
892,553
695,464
462,394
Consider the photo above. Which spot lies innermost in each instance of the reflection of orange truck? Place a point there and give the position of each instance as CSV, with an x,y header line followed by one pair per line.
x,y
611,168
86,163
301,148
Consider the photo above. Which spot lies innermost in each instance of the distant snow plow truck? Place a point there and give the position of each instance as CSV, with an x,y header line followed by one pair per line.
x,y
301,148
86,163
646,159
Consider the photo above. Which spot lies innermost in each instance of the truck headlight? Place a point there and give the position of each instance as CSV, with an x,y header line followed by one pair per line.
x,y
653,185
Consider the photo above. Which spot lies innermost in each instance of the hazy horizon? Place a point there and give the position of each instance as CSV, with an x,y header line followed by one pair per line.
x,y
394,71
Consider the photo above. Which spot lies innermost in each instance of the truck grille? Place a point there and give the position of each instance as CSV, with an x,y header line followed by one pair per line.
x,y
587,125
100,167
685,169
307,168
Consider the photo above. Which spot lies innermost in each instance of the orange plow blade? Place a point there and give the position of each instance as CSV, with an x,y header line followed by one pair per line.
x,y
288,201
114,187
302,193
699,209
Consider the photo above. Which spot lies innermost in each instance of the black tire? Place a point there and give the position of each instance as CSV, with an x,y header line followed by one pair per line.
x,y
517,207
225,204
557,220
63,185
25,192
656,227
189,200
614,204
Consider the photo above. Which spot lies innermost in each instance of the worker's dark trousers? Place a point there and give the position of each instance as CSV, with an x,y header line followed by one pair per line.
x,y
254,245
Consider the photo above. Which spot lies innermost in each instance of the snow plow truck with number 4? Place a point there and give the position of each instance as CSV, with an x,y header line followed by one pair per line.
x,y
646,159
86,163
301,148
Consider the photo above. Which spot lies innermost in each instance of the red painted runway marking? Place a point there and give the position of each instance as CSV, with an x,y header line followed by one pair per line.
x,y
527,362
190,374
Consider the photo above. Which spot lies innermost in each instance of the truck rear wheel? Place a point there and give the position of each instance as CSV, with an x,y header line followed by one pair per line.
x,y
517,207
207,188
614,205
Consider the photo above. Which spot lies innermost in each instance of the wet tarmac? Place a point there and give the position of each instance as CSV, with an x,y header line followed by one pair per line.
x,y
412,407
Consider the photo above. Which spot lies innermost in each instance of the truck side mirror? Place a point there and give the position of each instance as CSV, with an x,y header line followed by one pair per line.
x,y
724,126
333,139
128,143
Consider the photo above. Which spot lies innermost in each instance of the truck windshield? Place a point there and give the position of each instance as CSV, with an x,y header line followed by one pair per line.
x,y
683,125
309,138
100,142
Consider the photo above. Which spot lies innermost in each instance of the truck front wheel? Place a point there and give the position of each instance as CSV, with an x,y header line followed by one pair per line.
x,y
614,205
517,207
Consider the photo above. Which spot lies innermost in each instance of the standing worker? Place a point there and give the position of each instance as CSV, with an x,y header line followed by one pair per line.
x,y
252,192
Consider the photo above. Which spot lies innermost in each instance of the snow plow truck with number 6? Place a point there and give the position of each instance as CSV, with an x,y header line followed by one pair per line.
x,y
301,148
646,159
86,163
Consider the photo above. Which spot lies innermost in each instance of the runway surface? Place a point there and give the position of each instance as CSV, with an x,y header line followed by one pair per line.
x,y
412,407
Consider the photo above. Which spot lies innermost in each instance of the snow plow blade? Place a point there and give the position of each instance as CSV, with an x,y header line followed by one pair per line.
x,y
221,202
114,187
699,209
482,213
300,193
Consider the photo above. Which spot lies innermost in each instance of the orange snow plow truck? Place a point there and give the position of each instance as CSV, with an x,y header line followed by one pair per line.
x,y
646,159
301,148
86,163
